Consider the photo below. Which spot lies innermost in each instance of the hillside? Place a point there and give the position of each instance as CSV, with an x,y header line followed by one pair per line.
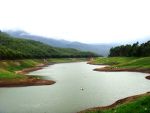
x,y
15,48
101,49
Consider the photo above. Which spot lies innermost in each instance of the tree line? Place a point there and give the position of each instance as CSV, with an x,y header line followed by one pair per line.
x,y
131,50
15,48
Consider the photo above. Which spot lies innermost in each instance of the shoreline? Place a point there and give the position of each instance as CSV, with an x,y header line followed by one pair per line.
x,y
116,103
109,69
123,100
29,81
27,70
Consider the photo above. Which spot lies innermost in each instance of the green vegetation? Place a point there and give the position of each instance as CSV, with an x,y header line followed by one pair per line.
x,y
12,49
141,63
112,60
5,74
141,105
134,50
124,62
8,67
15,48
14,65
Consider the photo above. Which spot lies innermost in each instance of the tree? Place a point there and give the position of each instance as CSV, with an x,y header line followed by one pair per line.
x,y
134,50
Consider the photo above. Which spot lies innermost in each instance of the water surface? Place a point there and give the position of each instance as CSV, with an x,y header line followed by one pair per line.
x,y
100,89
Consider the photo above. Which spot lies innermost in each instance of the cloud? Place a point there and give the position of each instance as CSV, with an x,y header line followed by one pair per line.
x,y
91,21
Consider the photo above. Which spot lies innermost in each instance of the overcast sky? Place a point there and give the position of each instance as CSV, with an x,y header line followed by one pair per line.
x,y
90,21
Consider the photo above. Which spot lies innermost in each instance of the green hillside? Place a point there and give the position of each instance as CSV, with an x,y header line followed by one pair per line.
x,y
15,48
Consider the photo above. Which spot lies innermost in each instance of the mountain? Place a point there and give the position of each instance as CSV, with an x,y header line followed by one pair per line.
x,y
16,48
101,49
46,40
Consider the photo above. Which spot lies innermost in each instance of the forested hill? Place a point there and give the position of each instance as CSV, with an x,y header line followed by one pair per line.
x,y
134,50
101,48
15,48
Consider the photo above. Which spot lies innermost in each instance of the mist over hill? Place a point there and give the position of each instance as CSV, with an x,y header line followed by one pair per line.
x,y
17,48
98,48
101,49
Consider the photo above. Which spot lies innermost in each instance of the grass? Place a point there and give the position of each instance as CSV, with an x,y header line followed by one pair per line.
x,y
136,63
140,105
112,60
4,74
18,64
8,67
124,62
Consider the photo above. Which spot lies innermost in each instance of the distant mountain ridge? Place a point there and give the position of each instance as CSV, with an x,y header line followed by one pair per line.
x,y
17,48
101,49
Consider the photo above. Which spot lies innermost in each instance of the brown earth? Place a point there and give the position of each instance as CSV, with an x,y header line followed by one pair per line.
x,y
109,69
30,81
147,77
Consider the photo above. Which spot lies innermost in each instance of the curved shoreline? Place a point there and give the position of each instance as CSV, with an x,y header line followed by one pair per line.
x,y
109,69
28,81
118,102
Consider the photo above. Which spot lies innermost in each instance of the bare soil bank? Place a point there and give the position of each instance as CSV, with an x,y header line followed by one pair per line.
x,y
30,81
109,69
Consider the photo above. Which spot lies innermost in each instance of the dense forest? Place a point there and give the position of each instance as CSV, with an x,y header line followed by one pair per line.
x,y
134,50
15,48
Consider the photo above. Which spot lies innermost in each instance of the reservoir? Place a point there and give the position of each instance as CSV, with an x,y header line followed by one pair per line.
x,y
77,87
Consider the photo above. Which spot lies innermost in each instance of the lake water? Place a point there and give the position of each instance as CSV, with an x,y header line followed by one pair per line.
x,y
66,96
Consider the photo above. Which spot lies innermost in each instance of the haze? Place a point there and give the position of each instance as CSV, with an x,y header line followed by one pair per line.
x,y
88,21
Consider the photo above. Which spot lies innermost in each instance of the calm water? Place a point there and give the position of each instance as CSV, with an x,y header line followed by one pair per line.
x,y
100,88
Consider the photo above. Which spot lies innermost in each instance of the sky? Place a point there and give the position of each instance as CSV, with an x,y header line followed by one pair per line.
x,y
88,21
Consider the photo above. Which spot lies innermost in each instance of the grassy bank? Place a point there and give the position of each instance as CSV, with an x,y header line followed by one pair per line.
x,y
135,104
124,62
10,70
111,60
9,67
